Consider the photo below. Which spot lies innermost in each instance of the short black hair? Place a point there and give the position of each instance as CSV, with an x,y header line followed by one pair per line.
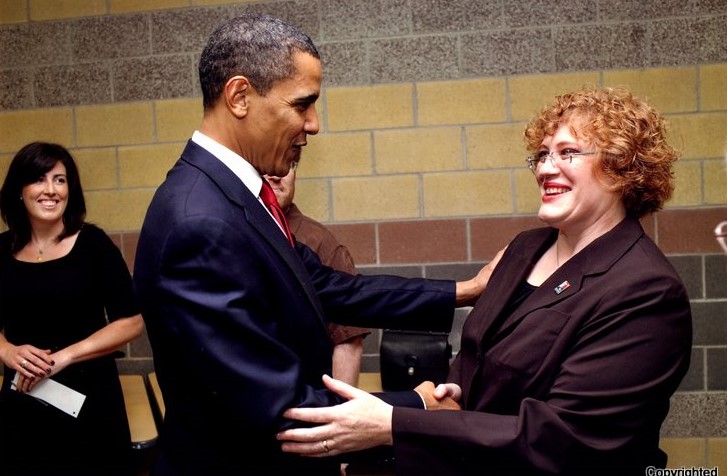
x,y
257,46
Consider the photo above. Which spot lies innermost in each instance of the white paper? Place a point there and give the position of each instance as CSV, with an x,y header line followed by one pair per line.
x,y
64,398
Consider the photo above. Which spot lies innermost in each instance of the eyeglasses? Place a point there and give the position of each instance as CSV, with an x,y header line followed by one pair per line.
x,y
721,234
535,161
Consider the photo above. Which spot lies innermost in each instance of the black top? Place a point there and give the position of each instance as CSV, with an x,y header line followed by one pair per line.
x,y
53,304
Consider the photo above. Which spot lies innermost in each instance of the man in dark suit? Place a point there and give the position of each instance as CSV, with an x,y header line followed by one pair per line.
x,y
347,340
236,316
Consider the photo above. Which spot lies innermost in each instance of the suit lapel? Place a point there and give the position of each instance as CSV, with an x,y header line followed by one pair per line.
x,y
564,283
520,257
253,213
259,219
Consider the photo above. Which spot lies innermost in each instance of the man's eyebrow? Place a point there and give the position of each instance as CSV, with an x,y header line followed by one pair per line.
x,y
307,99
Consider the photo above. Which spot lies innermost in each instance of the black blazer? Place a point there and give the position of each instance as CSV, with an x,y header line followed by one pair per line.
x,y
575,381
237,321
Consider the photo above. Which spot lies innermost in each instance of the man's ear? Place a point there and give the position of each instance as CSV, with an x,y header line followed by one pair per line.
x,y
236,94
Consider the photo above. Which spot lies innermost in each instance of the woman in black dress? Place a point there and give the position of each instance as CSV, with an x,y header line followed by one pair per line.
x,y
66,304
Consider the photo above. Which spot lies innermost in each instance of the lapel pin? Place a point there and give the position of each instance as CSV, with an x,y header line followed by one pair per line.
x,y
562,287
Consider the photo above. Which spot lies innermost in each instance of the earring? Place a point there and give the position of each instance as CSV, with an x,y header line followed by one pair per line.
x,y
21,198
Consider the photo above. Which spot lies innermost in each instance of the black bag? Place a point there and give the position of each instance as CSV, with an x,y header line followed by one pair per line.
x,y
407,358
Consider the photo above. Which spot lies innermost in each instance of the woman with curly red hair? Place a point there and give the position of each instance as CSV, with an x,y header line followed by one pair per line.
x,y
570,356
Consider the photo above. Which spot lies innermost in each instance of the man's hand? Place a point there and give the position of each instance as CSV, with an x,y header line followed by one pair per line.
x,y
438,398
467,292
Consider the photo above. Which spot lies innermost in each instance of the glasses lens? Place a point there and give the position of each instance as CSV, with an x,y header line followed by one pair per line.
x,y
534,161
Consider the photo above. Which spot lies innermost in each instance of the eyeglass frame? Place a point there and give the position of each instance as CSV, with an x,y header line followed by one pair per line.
x,y
720,233
533,161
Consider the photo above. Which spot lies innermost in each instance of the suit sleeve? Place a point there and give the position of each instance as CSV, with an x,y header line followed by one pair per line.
x,y
381,301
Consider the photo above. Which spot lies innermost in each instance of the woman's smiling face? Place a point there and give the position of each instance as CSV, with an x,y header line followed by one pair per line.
x,y
46,199
573,195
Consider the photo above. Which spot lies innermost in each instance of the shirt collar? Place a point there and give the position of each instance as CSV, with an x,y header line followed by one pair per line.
x,y
235,162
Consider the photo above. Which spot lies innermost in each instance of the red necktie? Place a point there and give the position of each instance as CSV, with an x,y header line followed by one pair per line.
x,y
271,201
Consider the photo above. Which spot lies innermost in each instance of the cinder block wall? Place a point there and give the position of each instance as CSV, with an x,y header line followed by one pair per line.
x,y
419,166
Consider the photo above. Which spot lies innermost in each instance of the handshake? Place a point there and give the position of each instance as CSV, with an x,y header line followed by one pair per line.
x,y
441,397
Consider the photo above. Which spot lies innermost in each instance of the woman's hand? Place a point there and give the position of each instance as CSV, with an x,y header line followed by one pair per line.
x,y
30,363
362,422
448,390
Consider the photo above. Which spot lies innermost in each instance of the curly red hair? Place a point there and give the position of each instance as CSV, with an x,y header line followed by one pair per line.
x,y
629,134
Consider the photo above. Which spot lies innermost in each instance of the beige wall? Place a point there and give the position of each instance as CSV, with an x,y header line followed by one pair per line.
x,y
387,152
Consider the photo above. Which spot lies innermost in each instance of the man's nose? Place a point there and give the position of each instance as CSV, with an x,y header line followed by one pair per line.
x,y
312,126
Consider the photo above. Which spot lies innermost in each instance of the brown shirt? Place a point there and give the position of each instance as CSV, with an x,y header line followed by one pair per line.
x,y
331,253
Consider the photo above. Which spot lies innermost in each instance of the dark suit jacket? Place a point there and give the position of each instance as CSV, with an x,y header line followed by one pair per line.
x,y
237,320
331,253
575,381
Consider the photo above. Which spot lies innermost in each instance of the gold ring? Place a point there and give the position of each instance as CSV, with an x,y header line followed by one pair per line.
x,y
23,363
325,445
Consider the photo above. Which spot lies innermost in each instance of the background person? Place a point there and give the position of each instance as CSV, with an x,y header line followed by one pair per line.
x,y
236,316
60,279
720,232
569,358
347,341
